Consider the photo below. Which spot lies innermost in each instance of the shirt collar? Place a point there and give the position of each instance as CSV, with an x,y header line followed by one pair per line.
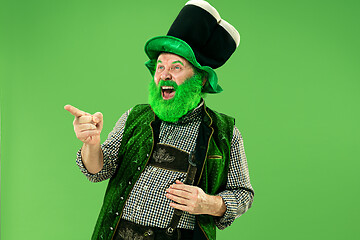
x,y
192,114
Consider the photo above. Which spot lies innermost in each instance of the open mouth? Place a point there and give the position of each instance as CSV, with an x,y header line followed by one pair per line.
x,y
167,92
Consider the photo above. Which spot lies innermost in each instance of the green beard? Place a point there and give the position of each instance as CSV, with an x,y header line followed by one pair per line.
x,y
187,97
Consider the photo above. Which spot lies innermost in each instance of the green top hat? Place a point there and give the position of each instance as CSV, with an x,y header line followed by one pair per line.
x,y
199,35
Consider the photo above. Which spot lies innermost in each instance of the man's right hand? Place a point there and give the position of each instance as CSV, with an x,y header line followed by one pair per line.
x,y
87,127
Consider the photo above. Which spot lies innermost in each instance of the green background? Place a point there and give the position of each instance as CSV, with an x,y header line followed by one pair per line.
x,y
292,85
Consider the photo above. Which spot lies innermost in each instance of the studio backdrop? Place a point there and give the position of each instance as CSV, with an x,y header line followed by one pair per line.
x,y
292,86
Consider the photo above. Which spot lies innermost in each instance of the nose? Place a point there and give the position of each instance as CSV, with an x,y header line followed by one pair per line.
x,y
166,75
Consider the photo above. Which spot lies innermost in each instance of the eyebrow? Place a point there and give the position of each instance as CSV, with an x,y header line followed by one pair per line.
x,y
178,62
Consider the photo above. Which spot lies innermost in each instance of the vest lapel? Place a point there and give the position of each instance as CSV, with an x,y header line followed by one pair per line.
x,y
202,144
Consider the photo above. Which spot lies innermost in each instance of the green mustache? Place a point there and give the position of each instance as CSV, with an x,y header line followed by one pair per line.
x,y
168,83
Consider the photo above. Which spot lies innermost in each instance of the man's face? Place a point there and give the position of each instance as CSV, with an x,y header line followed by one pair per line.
x,y
176,88
171,67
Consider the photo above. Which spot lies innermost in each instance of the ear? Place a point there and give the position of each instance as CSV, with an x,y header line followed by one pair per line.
x,y
204,80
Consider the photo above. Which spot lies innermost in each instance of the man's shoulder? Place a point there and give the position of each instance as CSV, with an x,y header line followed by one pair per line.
x,y
142,106
218,116
140,109
140,112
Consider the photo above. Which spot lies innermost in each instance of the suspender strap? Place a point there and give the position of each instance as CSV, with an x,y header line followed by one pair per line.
x,y
190,176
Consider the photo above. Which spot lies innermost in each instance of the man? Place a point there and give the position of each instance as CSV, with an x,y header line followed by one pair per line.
x,y
177,169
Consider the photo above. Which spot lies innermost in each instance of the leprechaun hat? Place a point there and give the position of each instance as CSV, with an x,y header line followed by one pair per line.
x,y
199,35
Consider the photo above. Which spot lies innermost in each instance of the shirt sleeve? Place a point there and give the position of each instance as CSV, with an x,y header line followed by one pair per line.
x,y
239,193
110,149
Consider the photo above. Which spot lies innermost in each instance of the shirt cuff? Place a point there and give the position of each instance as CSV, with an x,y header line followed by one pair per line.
x,y
231,208
80,163
92,177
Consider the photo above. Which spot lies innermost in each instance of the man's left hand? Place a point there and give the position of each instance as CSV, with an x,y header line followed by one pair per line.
x,y
194,200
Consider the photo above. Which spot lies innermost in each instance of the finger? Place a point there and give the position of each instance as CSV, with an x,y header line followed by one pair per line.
x,y
88,133
177,199
74,111
98,117
86,127
184,187
179,206
85,119
179,193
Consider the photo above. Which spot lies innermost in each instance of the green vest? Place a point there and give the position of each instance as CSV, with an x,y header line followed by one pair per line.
x,y
141,133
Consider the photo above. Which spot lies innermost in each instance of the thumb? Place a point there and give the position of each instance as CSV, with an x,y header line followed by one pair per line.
x,y
98,120
97,117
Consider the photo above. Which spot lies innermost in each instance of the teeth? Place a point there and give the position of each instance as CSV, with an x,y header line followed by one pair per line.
x,y
166,87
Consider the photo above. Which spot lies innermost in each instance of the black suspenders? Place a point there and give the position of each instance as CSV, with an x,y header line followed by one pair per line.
x,y
189,180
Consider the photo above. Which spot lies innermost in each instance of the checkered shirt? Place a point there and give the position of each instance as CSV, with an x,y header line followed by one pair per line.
x,y
147,204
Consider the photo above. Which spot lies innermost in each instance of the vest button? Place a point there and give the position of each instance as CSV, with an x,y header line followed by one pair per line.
x,y
147,155
148,233
111,228
139,168
117,213
122,198
129,182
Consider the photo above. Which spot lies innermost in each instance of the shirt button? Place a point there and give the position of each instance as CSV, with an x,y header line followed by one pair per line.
x,y
145,187
111,228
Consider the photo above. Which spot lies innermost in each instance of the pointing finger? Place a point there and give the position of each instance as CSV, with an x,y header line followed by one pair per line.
x,y
74,111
